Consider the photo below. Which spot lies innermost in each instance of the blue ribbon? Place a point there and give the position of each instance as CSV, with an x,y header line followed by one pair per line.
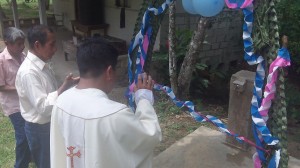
x,y
146,29
259,126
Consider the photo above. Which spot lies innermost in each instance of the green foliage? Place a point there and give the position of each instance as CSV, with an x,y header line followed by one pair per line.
x,y
25,10
183,39
199,79
165,106
202,73
204,76
293,100
289,24
7,142
201,66
261,26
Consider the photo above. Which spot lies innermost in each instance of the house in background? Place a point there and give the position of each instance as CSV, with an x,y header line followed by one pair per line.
x,y
87,17
224,36
101,12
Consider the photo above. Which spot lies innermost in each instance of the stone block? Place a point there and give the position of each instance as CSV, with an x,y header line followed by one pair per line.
x,y
211,37
180,20
222,24
215,46
218,53
202,55
206,47
239,118
210,53
224,45
221,36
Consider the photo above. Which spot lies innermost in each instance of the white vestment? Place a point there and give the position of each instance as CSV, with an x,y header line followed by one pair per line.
x,y
93,131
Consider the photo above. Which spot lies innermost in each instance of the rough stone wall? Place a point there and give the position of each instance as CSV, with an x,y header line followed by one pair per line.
x,y
224,37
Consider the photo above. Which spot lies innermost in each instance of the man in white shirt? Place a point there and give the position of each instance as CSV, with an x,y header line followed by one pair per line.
x,y
38,90
88,130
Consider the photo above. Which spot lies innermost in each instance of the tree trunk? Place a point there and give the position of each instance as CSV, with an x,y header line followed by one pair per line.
x,y
14,8
172,46
188,65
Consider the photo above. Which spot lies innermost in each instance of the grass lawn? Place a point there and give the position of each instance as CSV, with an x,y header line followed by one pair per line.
x,y
25,10
7,143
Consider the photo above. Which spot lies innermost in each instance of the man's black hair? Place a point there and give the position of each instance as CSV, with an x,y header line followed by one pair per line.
x,y
38,33
94,56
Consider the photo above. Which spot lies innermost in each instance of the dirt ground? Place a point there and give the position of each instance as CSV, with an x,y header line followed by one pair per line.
x,y
176,124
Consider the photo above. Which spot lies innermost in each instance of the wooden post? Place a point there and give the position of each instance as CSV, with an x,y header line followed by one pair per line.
x,y
42,12
14,7
1,21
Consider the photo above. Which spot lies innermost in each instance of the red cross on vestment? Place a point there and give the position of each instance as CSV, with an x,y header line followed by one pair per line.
x,y
71,155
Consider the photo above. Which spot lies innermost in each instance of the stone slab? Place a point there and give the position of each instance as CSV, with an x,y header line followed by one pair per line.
x,y
206,148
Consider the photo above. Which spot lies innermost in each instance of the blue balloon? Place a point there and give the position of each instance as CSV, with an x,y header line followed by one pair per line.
x,y
188,6
208,8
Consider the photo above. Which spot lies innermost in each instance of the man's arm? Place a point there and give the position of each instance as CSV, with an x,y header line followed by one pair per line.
x,y
3,86
68,82
37,94
140,131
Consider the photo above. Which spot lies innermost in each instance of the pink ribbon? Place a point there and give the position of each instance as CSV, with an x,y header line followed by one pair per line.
x,y
145,48
256,160
270,87
235,5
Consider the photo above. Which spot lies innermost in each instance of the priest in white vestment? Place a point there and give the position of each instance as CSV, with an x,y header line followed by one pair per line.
x,y
88,130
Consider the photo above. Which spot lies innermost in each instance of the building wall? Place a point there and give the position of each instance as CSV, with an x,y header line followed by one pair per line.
x,y
224,36
112,17
67,8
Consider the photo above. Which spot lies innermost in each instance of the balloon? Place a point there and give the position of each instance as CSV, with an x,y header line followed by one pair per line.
x,y
188,6
208,8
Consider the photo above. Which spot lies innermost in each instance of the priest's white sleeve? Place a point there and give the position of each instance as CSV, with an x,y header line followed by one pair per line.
x,y
139,132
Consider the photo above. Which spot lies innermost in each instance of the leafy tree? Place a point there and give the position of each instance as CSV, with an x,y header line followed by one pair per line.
x,y
289,24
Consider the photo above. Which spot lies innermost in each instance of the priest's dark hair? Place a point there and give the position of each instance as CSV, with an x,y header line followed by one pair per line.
x,y
38,33
94,56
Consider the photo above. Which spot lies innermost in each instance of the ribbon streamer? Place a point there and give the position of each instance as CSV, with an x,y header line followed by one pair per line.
x,y
259,107
202,118
142,41
234,4
283,60
259,115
